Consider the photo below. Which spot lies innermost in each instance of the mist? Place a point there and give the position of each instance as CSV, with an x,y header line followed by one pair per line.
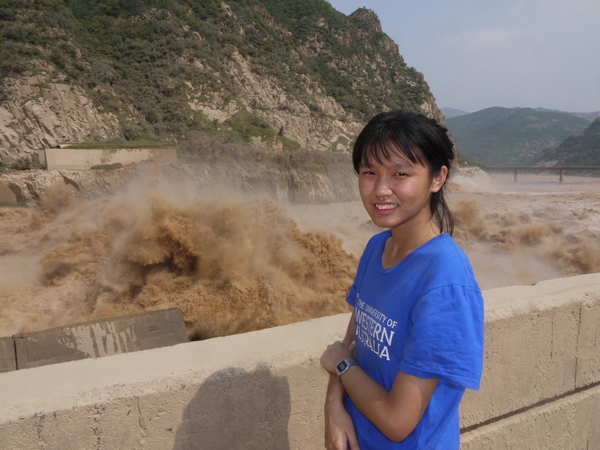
x,y
232,265
235,264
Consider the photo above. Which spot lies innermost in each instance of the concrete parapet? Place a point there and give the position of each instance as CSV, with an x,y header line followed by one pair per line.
x,y
8,361
588,364
98,338
265,389
256,390
566,423
541,342
82,159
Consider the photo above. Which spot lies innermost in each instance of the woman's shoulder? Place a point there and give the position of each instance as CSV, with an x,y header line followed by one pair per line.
x,y
447,260
444,247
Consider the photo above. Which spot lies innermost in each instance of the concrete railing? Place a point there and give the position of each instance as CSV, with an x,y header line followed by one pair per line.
x,y
540,387
265,389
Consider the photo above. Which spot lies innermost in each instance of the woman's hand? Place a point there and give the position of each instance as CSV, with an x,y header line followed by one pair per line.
x,y
334,354
339,429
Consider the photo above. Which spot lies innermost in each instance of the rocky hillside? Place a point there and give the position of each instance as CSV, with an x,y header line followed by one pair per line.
x,y
277,75
583,150
511,136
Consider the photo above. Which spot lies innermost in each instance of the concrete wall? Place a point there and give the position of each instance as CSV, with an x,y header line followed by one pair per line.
x,y
264,390
93,339
540,386
6,195
82,159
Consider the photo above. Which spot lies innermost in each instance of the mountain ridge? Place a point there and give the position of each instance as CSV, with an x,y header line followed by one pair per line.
x,y
581,150
281,77
511,136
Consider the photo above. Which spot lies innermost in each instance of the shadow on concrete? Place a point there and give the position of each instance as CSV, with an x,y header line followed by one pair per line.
x,y
235,409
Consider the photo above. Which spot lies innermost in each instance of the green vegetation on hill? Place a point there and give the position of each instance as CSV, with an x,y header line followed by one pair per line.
x,y
143,60
516,136
581,150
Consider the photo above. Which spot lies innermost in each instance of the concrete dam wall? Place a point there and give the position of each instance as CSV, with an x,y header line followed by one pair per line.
x,y
265,389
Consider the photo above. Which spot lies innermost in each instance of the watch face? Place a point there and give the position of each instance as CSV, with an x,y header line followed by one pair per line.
x,y
342,366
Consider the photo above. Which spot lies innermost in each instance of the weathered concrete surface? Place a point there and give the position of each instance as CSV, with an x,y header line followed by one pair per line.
x,y
98,338
83,159
7,354
265,389
588,368
542,341
568,423
254,391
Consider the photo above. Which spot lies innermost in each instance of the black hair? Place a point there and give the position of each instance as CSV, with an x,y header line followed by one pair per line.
x,y
420,140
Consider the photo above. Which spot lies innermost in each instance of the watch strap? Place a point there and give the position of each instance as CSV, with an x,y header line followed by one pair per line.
x,y
344,366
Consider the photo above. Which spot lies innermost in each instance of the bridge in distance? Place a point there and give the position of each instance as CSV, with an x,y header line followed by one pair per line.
x,y
561,170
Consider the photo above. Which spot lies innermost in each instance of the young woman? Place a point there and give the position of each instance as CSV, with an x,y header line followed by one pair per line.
x,y
415,338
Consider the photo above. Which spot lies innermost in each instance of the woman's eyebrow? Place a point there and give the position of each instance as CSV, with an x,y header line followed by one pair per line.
x,y
402,164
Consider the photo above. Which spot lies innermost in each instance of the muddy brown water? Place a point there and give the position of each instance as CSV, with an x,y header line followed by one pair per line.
x,y
235,264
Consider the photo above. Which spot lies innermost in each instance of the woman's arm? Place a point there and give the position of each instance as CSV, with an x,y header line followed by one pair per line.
x,y
395,413
339,429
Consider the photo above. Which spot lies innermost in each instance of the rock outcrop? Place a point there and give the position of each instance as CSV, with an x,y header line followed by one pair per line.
x,y
44,111
266,98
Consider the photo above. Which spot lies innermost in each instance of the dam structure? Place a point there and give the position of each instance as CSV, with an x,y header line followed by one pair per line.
x,y
265,389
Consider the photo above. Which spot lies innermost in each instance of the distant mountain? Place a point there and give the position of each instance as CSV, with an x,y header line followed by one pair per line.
x,y
511,136
581,150
591,116
451,112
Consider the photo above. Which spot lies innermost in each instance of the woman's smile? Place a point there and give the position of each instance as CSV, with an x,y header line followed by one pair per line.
x,y
386,207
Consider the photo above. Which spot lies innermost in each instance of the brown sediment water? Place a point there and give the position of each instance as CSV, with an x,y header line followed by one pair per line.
x,y
531,230
237,264
232,265
514,233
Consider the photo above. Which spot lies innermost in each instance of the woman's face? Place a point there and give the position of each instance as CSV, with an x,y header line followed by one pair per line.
x,y
398,192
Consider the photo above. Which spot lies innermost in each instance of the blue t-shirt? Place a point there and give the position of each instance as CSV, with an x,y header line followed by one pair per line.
x,y
423,317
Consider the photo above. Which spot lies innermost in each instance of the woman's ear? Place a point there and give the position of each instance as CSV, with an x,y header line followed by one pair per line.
x,y
439,179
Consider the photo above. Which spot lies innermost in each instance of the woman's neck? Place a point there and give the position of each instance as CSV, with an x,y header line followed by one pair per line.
x,y
406,239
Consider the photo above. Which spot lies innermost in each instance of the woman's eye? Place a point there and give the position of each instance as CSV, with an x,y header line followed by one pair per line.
x,y
399,174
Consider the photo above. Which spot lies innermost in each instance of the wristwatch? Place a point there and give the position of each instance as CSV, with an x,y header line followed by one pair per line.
x,y
343,367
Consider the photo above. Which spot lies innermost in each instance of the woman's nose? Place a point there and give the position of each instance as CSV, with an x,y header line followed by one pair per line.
x,y
382,187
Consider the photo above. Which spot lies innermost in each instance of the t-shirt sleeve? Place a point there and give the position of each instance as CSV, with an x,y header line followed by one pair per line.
x,y
352,295
362,268
446,339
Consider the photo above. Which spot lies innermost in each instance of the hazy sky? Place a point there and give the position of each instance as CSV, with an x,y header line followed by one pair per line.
x,y
475,54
